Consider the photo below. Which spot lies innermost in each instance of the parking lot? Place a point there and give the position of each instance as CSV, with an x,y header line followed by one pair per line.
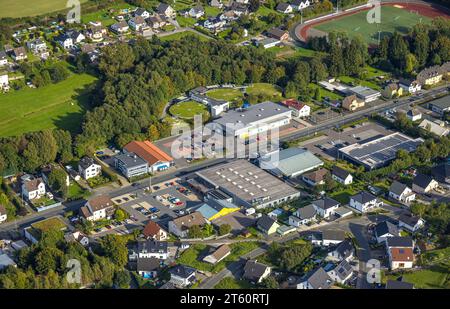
x,y
167,200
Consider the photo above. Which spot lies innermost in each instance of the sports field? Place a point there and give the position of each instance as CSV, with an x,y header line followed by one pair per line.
x,y
187,109
22,8
60,105
228,94
392,19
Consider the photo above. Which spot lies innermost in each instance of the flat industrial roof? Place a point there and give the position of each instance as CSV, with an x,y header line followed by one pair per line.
x,y
252,114
247,182
443,102
364,91
382,149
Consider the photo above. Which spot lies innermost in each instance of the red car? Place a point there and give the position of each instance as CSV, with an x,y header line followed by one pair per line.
x,y
179,203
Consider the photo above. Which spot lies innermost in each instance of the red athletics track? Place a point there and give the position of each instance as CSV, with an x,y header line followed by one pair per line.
x,y
425,9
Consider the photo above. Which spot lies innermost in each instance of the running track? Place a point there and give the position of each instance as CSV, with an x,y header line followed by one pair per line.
x,y
424,8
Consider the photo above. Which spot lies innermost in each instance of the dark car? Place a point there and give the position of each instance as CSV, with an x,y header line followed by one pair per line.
x,y
135,184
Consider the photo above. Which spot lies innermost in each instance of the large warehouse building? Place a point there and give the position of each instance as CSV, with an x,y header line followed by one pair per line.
x,y
378,152
252,120
247,184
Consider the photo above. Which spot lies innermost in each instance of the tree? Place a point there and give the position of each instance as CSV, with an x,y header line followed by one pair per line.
x,y
410,63
57,180
317,95
114,247
120,215
270,283
418,209
195,231
122,279
224,229
153,133
254,5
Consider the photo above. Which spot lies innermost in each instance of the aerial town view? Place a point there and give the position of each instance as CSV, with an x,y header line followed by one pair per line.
x,y
210,145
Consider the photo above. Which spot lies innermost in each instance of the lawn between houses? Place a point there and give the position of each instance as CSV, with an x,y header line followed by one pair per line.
x,y
60,105
193,256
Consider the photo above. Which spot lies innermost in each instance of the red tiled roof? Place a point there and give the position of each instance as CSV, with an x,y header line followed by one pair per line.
x,y
402,254
151,229
294,104
148,151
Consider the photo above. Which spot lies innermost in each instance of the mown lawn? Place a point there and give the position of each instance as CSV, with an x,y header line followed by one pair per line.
x,y
104,16
22,8
232,283
180,35
434,278
60,105
325,93
353,81
193,256
187,109
227,94
265,91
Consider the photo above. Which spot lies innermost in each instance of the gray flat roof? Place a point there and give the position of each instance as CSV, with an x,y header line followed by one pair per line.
x,y
247,182
130,159
291,161
381,150
364,91
443,102
252,114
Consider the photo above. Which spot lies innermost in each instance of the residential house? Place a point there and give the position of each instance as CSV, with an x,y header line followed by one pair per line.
x,y
392,90
166,10
88,168
33,188
410,223
6,261
255,272
151,249
96,32
238,9
413,115
3,59
299,5
441,173
352,103
364,201
213,23
65,41
157,159
430,76
38,47
4,82
218,255
398,285
424,183
410,85
365,93
326,207
141,13
148,268
182,276
284,8
279,34
216,4
155,21
120,27
197,11
315,279
343,251
328,237
401,192
137,23
440,106
19,53
315,178
98,208
154,231
400,252
342,176
298,109
131,165
384,230
181,225
436,127
3,214
303,216
77,36
77,236
267,225
341,273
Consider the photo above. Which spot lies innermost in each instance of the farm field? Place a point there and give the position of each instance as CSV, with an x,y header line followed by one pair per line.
x,y
392,19
225,94
60,105
22,8
187,109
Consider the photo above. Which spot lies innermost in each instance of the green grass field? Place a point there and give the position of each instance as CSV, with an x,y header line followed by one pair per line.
x,y
187,109
264,92
60,105
180,35
22,8
392,19
225,94
104,15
